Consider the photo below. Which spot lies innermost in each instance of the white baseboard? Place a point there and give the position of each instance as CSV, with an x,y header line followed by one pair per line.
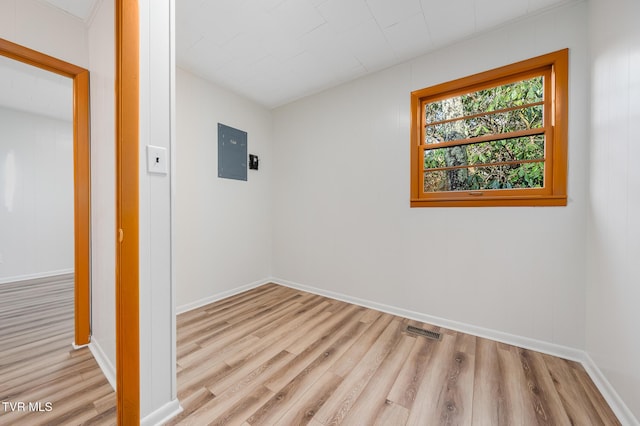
x,y
27,277
162,414
103,361
511,339
76,347
218,296
616,403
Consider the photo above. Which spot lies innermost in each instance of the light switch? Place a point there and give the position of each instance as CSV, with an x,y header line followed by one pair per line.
x,y
156,159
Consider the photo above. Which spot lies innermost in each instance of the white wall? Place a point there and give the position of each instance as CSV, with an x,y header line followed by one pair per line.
x,y
342,221
157,309
613,294
103,168
42,27
24,87
36,195
29,23
223,226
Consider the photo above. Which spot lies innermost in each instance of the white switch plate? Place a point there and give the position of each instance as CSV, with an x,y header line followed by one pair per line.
x,y
156,159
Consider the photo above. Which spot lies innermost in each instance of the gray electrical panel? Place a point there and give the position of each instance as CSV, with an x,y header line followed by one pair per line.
x,y
232,153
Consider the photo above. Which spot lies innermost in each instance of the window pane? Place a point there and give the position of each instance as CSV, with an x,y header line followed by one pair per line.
x,y
514,149
526,175
506,96
490,124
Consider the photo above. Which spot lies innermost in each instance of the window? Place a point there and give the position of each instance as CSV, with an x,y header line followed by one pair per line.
x,y
498,138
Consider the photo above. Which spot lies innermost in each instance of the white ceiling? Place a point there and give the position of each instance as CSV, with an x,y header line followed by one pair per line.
x,y
80,8
276,51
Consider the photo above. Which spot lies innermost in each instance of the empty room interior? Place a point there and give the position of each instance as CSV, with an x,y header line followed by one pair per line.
x,y
394,212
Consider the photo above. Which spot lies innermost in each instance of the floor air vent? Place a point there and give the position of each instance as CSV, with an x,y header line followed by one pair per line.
x,y
426,333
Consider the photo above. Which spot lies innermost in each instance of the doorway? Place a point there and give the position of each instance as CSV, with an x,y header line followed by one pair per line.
x,y
81,171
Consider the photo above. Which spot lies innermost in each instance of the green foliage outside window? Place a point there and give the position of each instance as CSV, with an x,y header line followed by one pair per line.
x,y
511,162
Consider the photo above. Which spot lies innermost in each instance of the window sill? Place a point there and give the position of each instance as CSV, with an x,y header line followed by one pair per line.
x,y
507,201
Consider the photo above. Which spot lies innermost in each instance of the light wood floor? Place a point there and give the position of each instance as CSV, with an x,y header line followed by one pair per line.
x,y
38,364
277,356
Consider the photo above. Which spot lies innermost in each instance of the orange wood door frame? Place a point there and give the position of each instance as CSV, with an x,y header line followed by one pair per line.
x,y
81,173
127,183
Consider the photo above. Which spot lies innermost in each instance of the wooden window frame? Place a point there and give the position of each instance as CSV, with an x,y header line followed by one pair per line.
x,y
554,192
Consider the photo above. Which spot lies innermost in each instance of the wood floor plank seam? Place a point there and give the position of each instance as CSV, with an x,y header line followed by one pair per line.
x,y
258,356
312,371
232,315
254,322
345,396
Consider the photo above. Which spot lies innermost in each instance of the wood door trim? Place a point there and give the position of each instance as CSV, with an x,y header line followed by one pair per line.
x,y
127,201
81,173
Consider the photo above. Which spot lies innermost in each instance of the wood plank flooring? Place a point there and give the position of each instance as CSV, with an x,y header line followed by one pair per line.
x,y
278,356
38,364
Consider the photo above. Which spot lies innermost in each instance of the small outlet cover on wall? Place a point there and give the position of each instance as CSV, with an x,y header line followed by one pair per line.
x,y
253,162
157,159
